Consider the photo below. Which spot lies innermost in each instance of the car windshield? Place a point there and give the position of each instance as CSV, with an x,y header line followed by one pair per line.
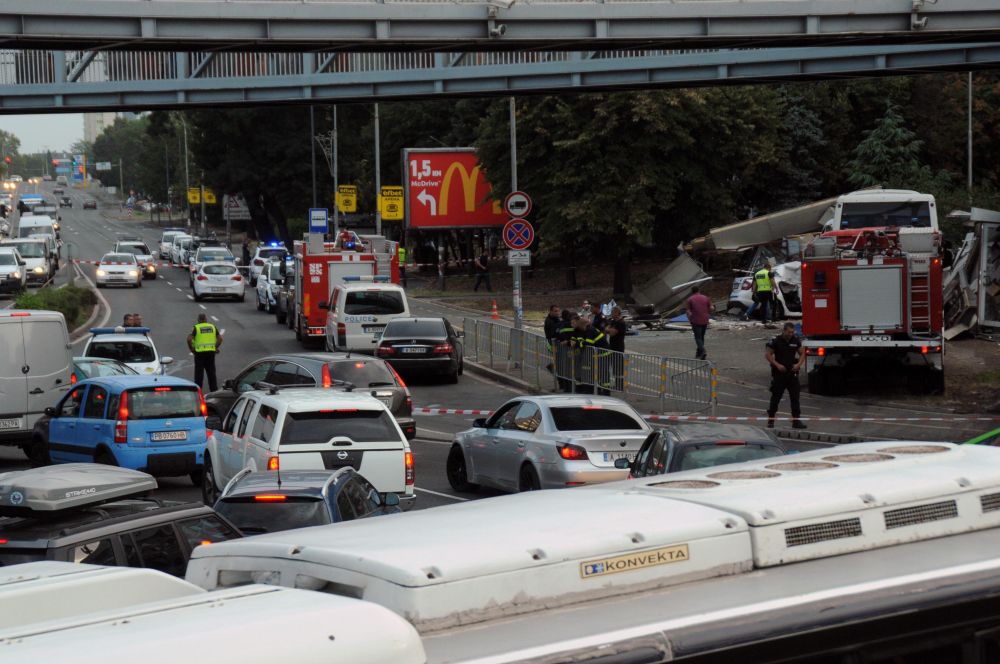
x,y
219,269
124,351
7,258
135,249
374,302
118,258
99,368
168,238
362,373
361,426
153,403
253,517
593,418
415,328
894,214
31,249
713,454
268,253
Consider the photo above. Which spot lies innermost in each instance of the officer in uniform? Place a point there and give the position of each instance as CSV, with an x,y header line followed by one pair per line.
x,y
763,286
565,358
786,356
204,341
401,251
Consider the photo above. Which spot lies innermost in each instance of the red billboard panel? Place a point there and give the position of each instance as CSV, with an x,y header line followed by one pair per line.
x,y
446,188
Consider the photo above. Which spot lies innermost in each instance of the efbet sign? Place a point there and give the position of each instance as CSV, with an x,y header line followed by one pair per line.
x,y
446,188
391,204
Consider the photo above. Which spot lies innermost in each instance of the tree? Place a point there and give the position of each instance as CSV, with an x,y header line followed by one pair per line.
x,y
889,154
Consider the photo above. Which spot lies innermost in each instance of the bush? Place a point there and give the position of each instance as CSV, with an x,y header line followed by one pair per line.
x,y
74,303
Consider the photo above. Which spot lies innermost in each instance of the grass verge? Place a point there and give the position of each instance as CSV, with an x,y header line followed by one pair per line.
x,y
74,303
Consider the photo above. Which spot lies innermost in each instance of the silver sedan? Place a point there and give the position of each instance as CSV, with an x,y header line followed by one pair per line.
x,y
547,442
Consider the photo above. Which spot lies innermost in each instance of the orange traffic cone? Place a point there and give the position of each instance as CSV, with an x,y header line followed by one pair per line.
x,y
495,315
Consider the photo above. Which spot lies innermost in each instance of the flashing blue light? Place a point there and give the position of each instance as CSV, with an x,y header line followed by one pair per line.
x,y
119,330
352,278
272,244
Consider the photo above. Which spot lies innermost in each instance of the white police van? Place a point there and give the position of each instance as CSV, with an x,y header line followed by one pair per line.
x,y
359,309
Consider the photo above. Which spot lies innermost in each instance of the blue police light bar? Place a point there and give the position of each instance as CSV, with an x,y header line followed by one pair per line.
x,y
119,330
274,244
354,277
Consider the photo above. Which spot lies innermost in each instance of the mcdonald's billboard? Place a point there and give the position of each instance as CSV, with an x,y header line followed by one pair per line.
x,y
446,188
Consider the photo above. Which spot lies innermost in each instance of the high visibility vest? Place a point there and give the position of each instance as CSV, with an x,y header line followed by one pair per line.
x,y
205,338
763,280
402,255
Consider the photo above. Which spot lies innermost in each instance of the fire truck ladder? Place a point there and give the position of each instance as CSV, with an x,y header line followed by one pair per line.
x,y
920,299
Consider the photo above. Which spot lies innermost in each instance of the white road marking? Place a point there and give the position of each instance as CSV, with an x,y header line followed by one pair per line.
x,y
433,442
440,433
214,318
443,495
203,307
188,296
169,283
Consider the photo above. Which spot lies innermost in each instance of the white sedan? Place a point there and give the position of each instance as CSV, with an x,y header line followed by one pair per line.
x,y
547,442
129,345
218,279
119,270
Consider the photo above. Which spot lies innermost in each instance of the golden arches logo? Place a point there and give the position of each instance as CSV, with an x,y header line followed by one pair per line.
x,y
469,181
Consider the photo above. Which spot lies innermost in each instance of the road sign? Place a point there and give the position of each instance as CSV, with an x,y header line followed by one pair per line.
x,y
194,196
347,198
103,165
517,204
520,257
518,234
209,196
319,220
235,208
446,188
391,203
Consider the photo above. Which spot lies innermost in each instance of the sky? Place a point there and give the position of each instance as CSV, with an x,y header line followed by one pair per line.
x,y
57,131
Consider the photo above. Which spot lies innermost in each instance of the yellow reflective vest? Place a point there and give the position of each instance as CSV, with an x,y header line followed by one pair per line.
x,y
763,280
205,338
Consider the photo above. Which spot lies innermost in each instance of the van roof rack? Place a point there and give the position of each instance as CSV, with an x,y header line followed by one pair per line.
x,y
50,490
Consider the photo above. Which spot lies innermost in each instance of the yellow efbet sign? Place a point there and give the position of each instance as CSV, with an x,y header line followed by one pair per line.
x,y
347,198
194,196
209,196
391,203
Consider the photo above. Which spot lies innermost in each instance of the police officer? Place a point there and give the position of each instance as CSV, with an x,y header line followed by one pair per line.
x,y
401,251
763,286
785,355
204,341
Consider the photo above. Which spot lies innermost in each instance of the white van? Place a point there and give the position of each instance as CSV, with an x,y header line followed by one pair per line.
x,y
35,370
358,311
35,253
179,249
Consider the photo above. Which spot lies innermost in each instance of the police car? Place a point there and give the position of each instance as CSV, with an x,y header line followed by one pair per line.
x,y
128,345
261,255
269,283
359,310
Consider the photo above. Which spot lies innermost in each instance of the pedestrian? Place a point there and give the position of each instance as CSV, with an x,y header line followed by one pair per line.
x,y
763,288
597,317
699,309
204,341
401,253
482,265
246,252
565,352
616,328
785,355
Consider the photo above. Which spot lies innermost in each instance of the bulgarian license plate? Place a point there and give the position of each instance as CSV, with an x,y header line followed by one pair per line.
x,y
414,350
168,435
872,337
11,423
218,290
374,329
612,456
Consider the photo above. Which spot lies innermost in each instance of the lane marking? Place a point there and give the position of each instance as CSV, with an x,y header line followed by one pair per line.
x,y
214,318
190,297
169,283
438,493
202,306
432,442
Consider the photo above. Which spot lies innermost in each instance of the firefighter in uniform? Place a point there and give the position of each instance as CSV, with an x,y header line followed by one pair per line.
x,y
565,359
786,356
402,264
594,356
204,341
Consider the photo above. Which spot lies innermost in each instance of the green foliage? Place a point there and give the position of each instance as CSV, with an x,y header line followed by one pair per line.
x,y
888,155
74,303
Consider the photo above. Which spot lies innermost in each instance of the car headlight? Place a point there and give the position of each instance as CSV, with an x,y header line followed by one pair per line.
x,y
41,270
133,273
15,275
151,267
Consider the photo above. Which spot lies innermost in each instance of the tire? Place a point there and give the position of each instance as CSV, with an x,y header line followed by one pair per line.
x,y
197,298
260,307
528,479
461,366
243,296
105,457
455,469
195,476
298,331
100,285
209,490
816,382
138,285
452,378
37,452
291,320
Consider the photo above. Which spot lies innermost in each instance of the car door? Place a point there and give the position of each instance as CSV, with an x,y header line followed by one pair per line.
x,y
259,445
13,379
48,360
63,434
517,433
485,445
93,427
222,455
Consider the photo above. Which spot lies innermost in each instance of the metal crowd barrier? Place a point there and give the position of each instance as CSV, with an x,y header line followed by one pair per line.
x,y
680,385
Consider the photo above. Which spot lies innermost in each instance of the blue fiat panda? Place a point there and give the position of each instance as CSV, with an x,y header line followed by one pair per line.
x,y
155,424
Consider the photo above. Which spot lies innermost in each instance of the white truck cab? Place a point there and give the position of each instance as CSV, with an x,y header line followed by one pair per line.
x,y
883,208
359,309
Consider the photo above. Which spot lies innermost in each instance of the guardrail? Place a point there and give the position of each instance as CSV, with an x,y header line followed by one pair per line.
x,y
680,385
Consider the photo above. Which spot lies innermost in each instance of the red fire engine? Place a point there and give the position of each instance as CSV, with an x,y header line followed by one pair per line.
x,y
872,298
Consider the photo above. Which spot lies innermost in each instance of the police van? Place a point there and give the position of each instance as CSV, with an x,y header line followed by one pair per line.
x,y
876,552
359,309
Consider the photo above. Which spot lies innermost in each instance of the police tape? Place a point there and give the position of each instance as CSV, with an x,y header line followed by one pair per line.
x,y
80,261
743,418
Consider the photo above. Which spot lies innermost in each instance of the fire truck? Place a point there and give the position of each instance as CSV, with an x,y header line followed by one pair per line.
x,y
872,293
317,273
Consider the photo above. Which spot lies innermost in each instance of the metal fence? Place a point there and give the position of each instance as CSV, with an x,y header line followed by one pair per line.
x,y
679,385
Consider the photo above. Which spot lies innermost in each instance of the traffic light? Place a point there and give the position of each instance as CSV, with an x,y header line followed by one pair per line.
x,y
7,159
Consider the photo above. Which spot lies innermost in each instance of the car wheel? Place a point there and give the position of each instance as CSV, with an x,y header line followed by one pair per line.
x,y
452,378
243,296
195,476
197,298
528,479
280,316
37,452
290,319
105,457
458,474
139,284
100,285
209,490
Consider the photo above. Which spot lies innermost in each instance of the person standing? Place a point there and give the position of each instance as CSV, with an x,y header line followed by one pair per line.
x,y
785,355
565,359
401,252
763,287
616,328
597,317
204,341
482,265
699,311
246,252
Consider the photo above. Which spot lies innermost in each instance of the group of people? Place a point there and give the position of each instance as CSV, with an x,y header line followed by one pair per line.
x,y
132,320
587,347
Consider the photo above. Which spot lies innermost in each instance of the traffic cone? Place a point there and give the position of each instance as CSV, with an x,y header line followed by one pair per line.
x,y
495,315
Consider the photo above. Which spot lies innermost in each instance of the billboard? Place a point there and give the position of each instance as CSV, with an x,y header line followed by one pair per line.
x,y
446,188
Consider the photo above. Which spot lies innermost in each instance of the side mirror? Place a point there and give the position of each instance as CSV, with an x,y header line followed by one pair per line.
x,y
324,305
479,423
22,263
228,384
390,500
623,464
213,422
166,359
459,334
51,412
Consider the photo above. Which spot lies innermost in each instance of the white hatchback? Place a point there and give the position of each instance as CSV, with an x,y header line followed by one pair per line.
x,y
218,279
128,345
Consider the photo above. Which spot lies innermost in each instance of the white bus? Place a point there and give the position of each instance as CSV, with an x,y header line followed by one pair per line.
x,y
874,552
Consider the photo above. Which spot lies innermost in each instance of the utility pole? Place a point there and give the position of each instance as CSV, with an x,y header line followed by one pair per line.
x,y
166,164
121,177
203,225
378,178
336,183
518,308
312,145
187,177
969,139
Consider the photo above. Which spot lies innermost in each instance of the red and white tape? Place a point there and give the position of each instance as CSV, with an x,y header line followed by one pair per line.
x,y
86,262
450,411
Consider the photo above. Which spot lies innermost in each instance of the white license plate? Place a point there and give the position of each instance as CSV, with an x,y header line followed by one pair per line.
x,y
218,290
871,337
612,456
12,423
168,435
374,329
387,402
414,350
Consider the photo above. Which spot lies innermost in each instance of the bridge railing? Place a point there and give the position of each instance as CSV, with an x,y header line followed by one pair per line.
x,y
678,385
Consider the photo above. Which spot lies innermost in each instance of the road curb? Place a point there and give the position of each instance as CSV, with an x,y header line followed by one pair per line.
x,y
502,378
80,331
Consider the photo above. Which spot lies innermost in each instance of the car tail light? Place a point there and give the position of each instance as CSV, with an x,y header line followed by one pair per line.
x,y
442,349
161,389
201,277
205,542
258,261
3,541
73,378
272,463
237,278
409,469
385,349
592,407
816,351
202,406
20,314
930,349
326,377
573,452
399,379
269,498
121,424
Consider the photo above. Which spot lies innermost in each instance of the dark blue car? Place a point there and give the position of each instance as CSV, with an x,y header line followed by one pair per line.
x,y
155,424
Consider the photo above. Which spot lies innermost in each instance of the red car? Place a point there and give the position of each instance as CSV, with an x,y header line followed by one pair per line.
x,y
90,204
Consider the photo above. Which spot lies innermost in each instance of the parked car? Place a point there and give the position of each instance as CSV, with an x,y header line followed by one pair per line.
x,y
118,269
261,255
691,445
13,272
90,204
372,375
268,502
99,367
218,280
547,442
98,515
284,307
155,424
422,346
269,281
130,345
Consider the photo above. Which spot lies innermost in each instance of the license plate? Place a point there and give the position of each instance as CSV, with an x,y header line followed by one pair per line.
x,y
168,435
612,456
12,423
218,290
387,402
414,350
374,329
871,337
